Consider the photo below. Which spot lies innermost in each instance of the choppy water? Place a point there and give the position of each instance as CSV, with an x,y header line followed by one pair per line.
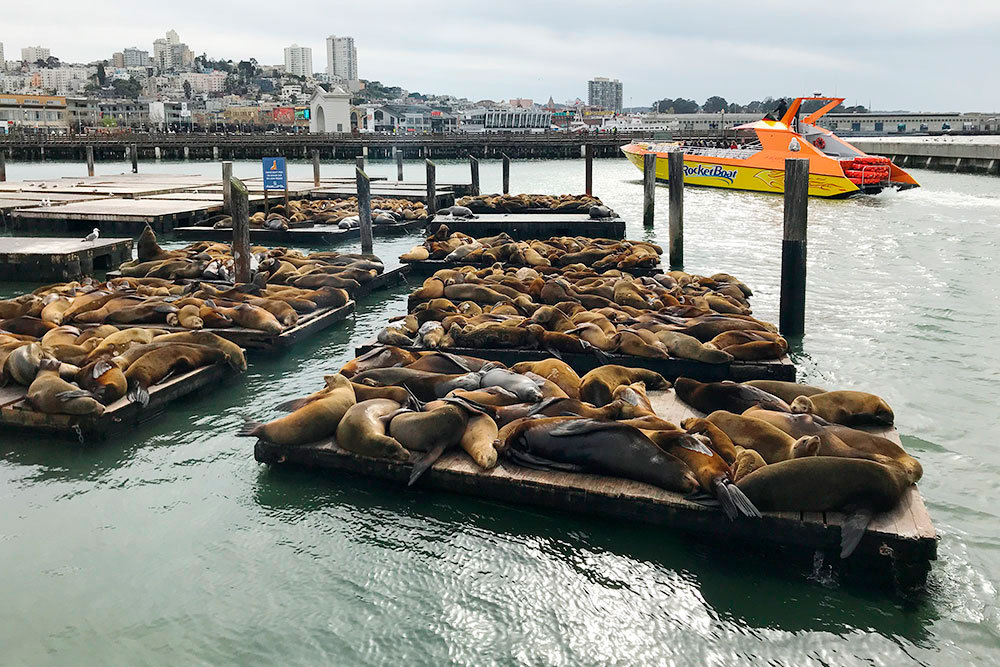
x,y
171,545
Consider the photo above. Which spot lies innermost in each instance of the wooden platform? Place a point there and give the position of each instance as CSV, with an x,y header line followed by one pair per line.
x,y
44,259
14,200
738,371
115,216
895,552
388,189
525,226
316,235
427,267
16,413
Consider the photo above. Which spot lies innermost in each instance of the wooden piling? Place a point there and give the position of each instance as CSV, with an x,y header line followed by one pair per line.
x,y
365,210
675,176
316,168
241,229
134,150
431,186
474,167
588,181
506,174
792,313
3,165
90,161
227,188
359,162
399,165
648,188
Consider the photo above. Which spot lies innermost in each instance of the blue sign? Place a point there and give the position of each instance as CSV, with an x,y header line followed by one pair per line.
x,y
275,174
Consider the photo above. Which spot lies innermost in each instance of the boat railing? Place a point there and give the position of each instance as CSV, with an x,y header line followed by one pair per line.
x,y
740,153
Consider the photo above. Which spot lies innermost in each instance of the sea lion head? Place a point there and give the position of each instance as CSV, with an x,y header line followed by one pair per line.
x,y
807,445
803,405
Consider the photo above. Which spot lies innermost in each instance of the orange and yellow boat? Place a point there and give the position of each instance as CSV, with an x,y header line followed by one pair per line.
x,y
755,160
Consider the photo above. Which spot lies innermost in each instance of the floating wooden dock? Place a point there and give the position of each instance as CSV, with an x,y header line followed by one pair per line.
x,y
302,235
427,267
525,226
671,369
114,216
16,413
51,259
10,201
895,552
389,190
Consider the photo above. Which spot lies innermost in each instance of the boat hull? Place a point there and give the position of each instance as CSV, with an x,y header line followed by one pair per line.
x,y
746,177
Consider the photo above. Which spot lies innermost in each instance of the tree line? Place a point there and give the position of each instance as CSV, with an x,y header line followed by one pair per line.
x,y
716,104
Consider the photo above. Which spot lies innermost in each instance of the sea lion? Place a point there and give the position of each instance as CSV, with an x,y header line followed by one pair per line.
x,y
747,460
51,394
445,362
786,391
477,440
104,380
553,407
55,309
119,341
737,398
850,408
232,352
601,447
828,484
23,362
556,370
711,471
598,385
186,317
63,335
799,425
99,333
519,385
633,396
362,430
768,440
720,442
425,386
683,346
154,366
495,396
27,326
312,422
385,356
426,431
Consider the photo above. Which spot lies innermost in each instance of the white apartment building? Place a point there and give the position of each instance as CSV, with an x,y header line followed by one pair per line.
x,y
170,53
342,61
32,54
299,60
135,57
211,82
64,80
3,63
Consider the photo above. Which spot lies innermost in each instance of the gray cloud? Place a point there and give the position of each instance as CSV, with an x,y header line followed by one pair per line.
x,y
914,54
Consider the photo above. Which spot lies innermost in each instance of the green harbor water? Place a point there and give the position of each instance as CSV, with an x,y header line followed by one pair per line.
x,y
170,545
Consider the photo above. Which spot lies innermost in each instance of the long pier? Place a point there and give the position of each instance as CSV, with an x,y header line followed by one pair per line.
x,y
330,146
941,154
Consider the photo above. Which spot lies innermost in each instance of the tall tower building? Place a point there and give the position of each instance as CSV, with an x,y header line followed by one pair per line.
x,y
342,61
31,54
603,92
299,60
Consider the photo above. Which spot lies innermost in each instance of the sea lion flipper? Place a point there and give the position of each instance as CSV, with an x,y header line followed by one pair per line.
x,y
538,463
554,352
545,403
426,461
249,429
65,396
138,394
573,427
470,405
292,405
457,360
733,501
852,530
100,368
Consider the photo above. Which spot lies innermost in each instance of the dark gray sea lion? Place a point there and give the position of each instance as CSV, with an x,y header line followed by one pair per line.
x,y
730,396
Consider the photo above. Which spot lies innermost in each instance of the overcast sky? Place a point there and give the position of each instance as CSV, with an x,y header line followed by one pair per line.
x,y
929,55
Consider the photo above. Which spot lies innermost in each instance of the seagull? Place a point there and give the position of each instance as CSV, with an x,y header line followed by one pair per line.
x,y
92,236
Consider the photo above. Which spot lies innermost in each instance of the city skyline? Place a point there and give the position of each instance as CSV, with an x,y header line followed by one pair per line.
x,y
693,55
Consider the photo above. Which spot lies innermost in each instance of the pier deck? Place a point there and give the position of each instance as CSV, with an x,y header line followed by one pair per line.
x,y
16,413
52,259
301,235
525,226
895,551
115,216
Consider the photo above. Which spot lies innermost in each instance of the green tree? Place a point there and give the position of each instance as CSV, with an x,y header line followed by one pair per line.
x,y
102,76
130,88
714,104
187,89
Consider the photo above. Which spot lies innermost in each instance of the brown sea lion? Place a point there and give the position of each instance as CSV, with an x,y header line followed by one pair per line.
x,y
786,391
385,356
747,460
850,408
154,366
232,352
51,394
768,440
721,442
799,425
103,379
362,430
426,386
556,370
634,399
598,385
312,422
737,398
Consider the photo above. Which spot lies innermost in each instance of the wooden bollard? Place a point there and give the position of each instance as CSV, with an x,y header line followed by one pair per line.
x,y
365,210
506,174
3,165
648,188
241,229
399,165
474,168
359,162
792,313
431,186
675,177
90,161
227,188
316,168
134,150
588,181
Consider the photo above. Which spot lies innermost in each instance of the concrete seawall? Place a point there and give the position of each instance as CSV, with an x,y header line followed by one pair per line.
x,y
967,156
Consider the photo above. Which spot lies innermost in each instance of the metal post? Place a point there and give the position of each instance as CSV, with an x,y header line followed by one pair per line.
x,y
227,188
648,188
135,158
792,313
90,161
399,165
241,229
506,174
589,170
675,177
316,168
474,166
431,186
365,210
